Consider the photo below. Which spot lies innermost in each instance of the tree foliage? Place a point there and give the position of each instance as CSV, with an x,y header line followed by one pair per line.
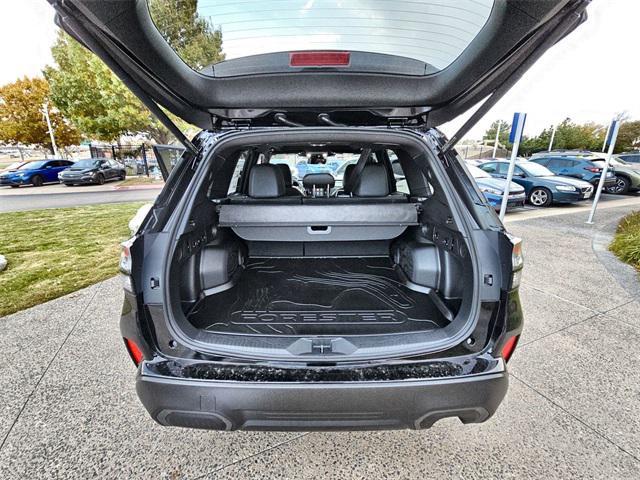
x,y
192,37
92,97
503,138
572,136
21,115
98,103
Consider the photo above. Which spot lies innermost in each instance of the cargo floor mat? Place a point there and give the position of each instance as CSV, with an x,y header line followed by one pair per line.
x,y
325,296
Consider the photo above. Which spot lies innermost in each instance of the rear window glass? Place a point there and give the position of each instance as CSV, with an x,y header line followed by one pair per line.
x,y
316,162
209,31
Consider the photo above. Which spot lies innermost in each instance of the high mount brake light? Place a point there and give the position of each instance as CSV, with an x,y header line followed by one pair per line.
x,y
319,59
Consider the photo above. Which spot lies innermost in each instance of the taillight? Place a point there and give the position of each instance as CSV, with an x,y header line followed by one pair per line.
x,y
509,347
517,261
319,59
134,351
125,257
126,264
593,169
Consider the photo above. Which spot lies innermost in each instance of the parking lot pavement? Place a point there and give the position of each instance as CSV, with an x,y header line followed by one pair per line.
x,y
69,410
37,201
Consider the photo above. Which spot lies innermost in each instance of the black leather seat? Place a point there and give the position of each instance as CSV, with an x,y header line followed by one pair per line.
x,y
346,180
372,186
266,186
289,189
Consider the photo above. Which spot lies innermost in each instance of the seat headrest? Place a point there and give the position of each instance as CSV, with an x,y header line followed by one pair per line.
x,y
373,182
286,173
346,178
322,180
266,181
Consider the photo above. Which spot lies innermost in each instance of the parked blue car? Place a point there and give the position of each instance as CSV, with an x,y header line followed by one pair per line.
x,y
542,186
493,188
35,173
587,169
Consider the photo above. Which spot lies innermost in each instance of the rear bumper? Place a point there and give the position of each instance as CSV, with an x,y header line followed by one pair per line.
x,y
405,404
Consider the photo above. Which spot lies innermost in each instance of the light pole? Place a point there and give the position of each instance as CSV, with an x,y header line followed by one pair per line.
x,y
606,137
612,131
45,112
553,135
517,126
495,144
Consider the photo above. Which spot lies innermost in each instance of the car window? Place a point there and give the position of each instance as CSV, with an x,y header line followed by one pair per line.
x,y
431,31
237,174
88,163
488,167
559,163
630,158
503,168
542,161
535,170
477,172
32,165
518,171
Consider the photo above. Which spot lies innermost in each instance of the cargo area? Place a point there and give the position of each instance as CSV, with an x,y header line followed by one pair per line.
x,y
318,296
315,244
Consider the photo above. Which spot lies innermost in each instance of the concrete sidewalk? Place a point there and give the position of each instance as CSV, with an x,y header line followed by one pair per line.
x,y
68,408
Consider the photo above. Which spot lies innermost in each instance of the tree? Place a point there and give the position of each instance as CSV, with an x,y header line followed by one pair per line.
x,y
489,136
93,98
628,136
191,36
586,136
22,120
98,103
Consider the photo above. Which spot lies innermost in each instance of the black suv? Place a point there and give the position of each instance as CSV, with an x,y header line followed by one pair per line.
x,y
259,297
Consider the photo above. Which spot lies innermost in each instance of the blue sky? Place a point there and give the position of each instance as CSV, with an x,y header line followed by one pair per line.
x,y
590,76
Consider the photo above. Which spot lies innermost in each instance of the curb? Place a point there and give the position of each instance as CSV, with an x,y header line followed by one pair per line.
x,y
139,187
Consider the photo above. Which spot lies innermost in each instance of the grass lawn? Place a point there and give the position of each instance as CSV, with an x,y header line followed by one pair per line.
x,y
53,252
626,243
130,181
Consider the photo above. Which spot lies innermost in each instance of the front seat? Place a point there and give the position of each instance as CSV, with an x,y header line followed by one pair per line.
x,y
266,185
289,189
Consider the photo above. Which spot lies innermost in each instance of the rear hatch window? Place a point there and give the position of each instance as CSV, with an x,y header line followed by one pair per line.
x,y
431,32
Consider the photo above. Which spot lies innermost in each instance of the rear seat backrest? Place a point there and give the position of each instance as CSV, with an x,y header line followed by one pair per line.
x,y
346,178
288,180
266,181
373,182
266,185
